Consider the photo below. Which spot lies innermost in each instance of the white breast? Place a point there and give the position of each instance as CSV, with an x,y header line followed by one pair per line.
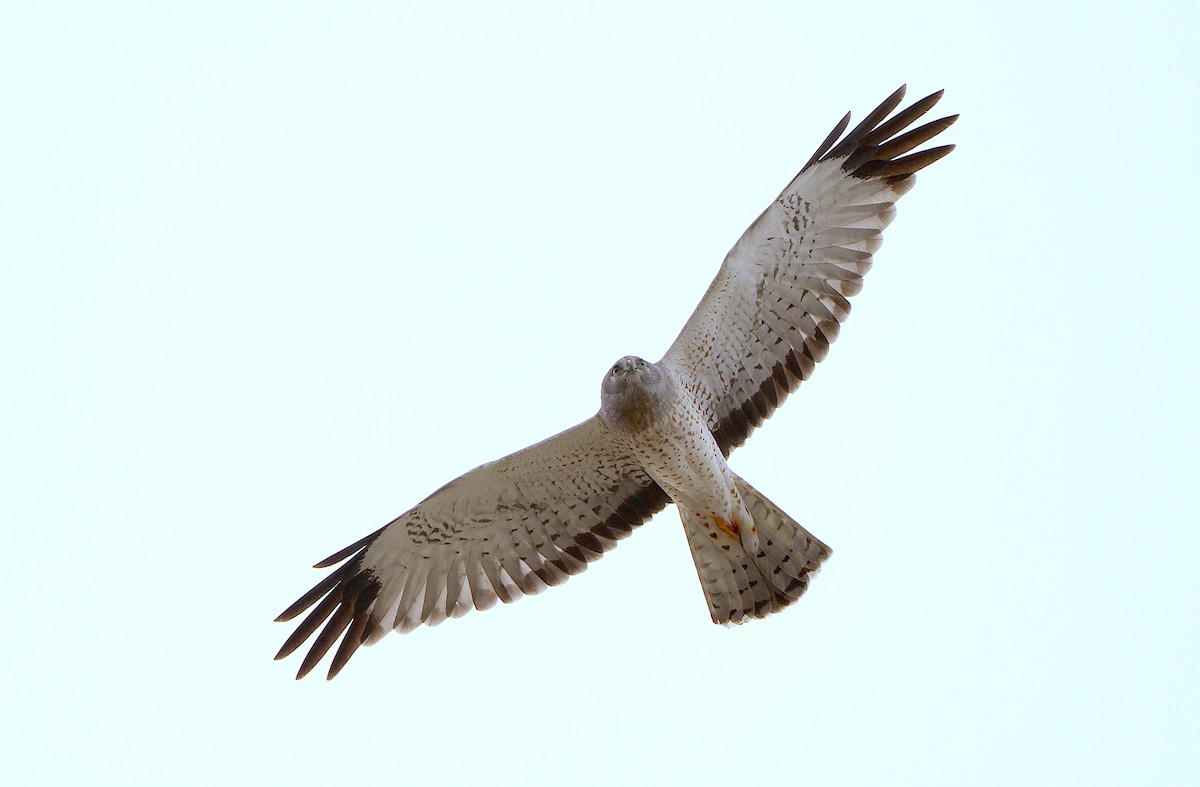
x,y
679,452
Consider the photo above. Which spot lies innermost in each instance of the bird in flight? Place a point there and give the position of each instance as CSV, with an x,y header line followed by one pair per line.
x,y
663,432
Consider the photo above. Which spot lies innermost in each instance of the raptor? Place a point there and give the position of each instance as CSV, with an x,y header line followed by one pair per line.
x,y
663,433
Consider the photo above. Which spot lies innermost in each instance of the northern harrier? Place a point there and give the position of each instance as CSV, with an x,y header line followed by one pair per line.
x,y
663,432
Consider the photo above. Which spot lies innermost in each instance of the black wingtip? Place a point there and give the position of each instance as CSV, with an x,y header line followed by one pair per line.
x,y
342,554
875,148
829,140
313,595
876,116
314,655
902,120
346,605
902,167
878,137
356,635
899,145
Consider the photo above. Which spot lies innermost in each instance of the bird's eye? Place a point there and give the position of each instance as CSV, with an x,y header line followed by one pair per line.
x,y
614,371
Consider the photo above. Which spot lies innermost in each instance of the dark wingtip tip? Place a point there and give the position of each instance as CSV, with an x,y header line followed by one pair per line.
x,y
340,660
288,614
288,649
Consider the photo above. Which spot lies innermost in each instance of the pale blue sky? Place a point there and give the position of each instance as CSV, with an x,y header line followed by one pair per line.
x,y
274,272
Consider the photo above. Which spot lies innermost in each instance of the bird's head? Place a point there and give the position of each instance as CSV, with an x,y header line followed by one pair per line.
x,y
633,391
630,364
627,372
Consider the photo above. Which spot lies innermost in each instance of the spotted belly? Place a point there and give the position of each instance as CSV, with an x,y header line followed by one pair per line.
x,y
680,453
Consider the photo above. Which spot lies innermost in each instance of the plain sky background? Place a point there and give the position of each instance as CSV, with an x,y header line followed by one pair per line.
x,y
272,272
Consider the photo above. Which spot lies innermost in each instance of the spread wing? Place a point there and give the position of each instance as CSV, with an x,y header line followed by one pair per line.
x,y
511,527
782,292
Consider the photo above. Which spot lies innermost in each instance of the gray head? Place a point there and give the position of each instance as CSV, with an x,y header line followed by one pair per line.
x,y
633,393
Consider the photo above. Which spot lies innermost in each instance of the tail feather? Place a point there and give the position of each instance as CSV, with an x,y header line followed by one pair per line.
x,y
739,584
732,582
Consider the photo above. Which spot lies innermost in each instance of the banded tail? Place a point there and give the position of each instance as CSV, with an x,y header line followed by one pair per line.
x,y
739,585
